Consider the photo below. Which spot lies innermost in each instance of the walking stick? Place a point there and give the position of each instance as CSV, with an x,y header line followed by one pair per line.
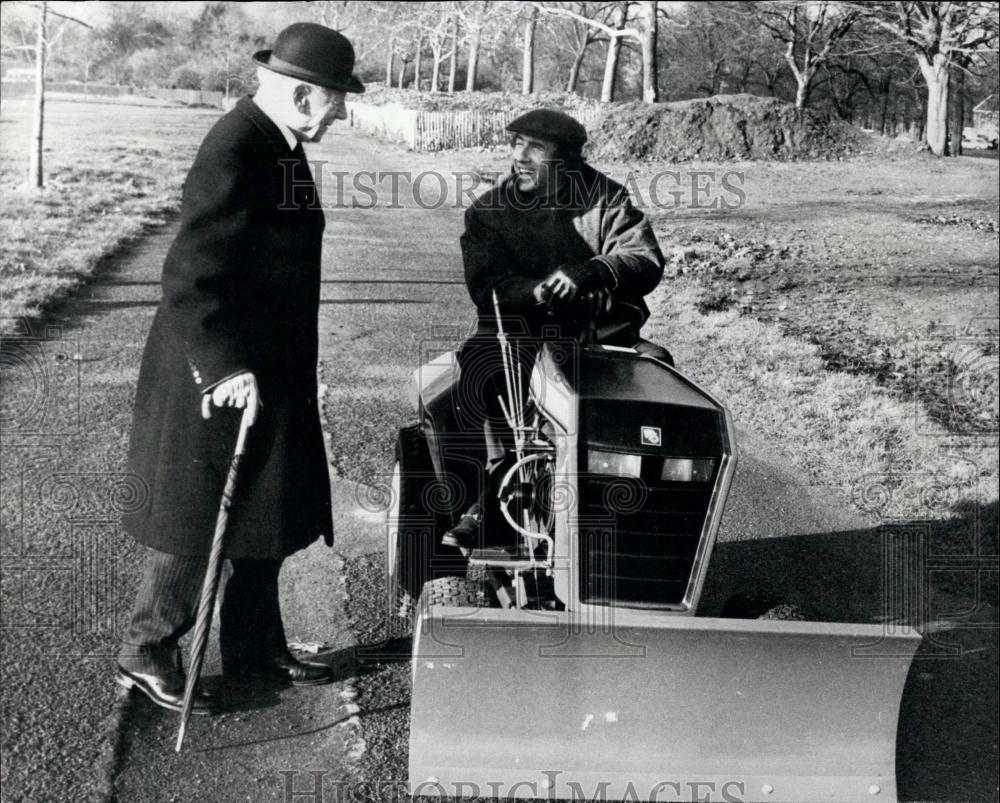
x,y
203,621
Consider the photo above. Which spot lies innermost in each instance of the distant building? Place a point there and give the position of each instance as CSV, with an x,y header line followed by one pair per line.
x,y
20,74
986,114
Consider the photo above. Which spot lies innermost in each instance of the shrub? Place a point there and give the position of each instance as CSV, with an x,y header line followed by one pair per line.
x,y
185,78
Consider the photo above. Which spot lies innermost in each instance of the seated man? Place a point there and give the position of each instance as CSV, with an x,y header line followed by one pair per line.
x,y
562,247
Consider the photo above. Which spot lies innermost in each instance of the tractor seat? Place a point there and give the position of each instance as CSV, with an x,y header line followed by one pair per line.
x,y
655,351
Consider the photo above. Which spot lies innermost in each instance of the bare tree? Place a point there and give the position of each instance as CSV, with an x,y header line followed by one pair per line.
x,y
452,59
390,56
528,53
35,177
809,33
437,27
404,60
43,41
644,33
417,59
942,36
618,21
475,16
575,38
648,32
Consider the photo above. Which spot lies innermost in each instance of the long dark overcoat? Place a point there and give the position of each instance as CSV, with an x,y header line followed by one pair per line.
x,y
241,288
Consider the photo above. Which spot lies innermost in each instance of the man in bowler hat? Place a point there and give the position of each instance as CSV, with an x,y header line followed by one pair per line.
x,y
237,328
562,248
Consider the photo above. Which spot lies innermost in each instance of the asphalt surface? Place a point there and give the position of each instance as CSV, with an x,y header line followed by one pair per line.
x,y
393,296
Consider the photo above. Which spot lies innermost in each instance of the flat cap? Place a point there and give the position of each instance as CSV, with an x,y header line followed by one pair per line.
x,y
548,124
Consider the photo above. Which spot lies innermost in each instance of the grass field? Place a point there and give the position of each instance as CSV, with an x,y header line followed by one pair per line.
x,y
110,170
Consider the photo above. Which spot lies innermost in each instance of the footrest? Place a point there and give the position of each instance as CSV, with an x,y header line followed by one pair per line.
x,y
501,558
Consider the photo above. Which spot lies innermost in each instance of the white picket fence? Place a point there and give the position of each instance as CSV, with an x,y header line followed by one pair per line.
x,y
432,131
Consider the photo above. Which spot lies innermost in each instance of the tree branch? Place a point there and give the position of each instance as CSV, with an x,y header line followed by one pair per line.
x,y
615,33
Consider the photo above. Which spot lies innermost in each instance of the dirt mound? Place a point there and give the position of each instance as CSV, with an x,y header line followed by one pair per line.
x,y
724,127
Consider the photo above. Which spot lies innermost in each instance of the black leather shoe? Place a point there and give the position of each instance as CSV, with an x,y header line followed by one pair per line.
x,y
167,691
283,667
465,534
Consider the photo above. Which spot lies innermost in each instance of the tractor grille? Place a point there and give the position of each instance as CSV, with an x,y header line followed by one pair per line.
x,y
638,539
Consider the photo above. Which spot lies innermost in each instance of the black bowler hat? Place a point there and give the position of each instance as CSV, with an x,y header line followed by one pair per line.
x,y
550,125
313,53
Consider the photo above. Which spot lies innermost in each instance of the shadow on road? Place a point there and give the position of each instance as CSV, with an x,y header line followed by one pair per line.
x,y
939,575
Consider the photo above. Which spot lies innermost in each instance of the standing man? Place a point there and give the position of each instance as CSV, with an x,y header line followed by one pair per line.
x,y
237,328
562,247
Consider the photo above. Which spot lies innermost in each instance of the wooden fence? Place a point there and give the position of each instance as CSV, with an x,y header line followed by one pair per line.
x,y
433,131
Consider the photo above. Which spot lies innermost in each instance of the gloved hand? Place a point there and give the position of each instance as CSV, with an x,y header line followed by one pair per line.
x,y
569,281
592,305
590,275
237,391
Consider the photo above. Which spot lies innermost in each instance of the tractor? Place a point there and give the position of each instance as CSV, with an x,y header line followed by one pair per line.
x,y
563,657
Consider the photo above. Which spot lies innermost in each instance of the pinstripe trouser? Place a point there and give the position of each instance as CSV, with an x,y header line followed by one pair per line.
x,y
167,601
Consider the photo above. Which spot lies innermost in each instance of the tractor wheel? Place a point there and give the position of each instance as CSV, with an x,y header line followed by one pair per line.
x,y
786,611
761,606
415,554
480,588
453,592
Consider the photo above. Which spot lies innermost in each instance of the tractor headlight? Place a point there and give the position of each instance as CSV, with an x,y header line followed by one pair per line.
x,y
621,465
687,469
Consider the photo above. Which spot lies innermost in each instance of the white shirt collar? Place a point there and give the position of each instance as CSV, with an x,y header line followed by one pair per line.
x,y
286,132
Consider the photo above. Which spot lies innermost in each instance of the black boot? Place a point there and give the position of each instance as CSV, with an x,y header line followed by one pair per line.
x,y
465,534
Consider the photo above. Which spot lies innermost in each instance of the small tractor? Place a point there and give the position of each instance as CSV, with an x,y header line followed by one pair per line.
x,y
564,657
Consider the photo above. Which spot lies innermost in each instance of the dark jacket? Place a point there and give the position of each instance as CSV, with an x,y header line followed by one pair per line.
x,y
241,286
513,240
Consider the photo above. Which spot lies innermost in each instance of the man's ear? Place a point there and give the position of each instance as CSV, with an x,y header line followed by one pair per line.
x,y
301,97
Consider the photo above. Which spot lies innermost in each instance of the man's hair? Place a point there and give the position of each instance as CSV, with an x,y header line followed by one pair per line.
x,y
272,82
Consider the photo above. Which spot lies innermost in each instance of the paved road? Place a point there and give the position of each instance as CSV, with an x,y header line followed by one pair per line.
x,y
392,294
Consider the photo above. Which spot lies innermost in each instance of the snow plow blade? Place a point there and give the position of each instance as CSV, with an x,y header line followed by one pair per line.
x,y
522,704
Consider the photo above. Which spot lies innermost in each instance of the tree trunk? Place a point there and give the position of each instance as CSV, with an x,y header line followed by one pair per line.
x,y
473,62
574,71
650,76
803,85
611,62
35,176
528,56
936,75
957,109
388,63
885,86
745,77
402,72
436,70
454,55
772,83
416,63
